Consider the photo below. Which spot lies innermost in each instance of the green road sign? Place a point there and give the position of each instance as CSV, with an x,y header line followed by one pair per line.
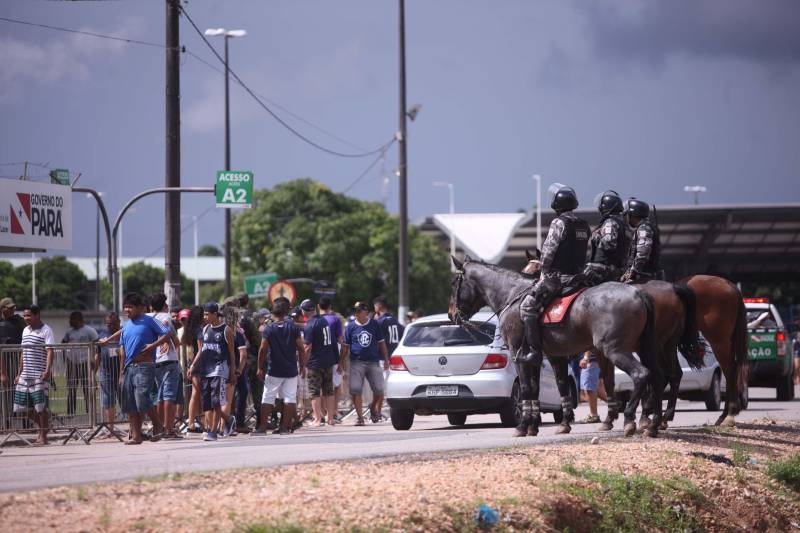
x,y
59,176
257,285
234,188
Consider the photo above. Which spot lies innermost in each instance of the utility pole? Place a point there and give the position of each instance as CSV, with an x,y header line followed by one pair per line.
x,y
227,167
172,202
402,279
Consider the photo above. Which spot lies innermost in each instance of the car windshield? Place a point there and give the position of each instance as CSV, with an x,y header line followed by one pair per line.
x,y
449,334
760,318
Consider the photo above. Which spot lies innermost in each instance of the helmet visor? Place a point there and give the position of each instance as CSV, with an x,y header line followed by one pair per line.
x,y
552,190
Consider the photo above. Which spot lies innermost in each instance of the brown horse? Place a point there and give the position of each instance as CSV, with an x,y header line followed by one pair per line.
x,y
722,319
674,329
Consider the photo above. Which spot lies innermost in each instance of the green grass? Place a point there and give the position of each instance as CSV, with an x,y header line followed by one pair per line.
x,y
625,503
786,472
269,527
741,456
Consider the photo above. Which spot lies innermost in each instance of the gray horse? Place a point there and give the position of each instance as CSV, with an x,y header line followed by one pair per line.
x,y
613,319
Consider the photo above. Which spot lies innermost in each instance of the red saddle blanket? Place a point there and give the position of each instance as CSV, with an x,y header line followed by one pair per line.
x,y
558,308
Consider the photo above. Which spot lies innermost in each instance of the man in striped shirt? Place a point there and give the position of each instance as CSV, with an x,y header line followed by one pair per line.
x,y
32,381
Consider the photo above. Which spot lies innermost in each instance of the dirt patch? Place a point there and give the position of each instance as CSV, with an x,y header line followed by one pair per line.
x,y
700,479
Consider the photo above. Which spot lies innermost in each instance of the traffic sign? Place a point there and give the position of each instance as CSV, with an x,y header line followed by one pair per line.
x,y
282,288
257,285
234,188
59,176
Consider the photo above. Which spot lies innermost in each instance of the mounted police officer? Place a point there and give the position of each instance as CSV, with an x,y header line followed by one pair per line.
x,y
609,242
644,252
563,257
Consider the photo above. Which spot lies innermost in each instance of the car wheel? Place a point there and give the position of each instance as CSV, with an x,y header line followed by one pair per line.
x,y
785,389
456,419
744,398
511,412
713,396
402,419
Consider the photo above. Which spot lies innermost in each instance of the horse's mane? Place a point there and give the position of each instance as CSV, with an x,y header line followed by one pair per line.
x,y
518,276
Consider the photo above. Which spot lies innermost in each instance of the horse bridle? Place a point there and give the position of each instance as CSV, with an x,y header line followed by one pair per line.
x,y
458,316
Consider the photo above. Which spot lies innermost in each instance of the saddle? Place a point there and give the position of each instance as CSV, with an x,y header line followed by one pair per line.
x,y
556,310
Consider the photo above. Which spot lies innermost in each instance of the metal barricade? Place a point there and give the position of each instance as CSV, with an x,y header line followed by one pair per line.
x,y
106,392
68,396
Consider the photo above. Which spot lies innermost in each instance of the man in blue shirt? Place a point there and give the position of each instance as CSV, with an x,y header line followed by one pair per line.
x,y
364,343
392,329
323,349
141,335
283,341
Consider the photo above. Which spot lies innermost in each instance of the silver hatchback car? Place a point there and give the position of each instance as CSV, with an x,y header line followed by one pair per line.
x,y
442,368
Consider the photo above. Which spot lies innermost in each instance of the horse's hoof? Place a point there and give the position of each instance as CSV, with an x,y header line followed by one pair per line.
x,y
664,425
728,421
606,426
630,429
533,431
644,423
563,429
651,432
518,433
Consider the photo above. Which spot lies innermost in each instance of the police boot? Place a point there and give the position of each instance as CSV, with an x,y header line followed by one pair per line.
x,y
533,336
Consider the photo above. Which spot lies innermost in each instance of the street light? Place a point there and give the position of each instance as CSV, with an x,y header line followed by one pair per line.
x,y
119,254
97,255
227,34
196,265
538,179
696,189
451,190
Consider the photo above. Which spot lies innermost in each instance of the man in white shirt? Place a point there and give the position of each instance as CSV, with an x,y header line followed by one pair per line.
x,y
33,380
77,360
169,376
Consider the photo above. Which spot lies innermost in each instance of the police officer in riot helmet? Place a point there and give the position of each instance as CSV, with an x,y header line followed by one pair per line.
x,y
608,242
645,247
563,257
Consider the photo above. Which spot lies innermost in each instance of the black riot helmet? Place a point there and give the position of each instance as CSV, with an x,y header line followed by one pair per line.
x,y
610,203
637,208
564,199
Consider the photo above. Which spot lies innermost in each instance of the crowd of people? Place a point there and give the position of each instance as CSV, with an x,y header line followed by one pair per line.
x,y
197,369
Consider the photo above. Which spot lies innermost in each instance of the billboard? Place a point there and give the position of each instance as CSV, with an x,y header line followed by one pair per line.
x,y
35,216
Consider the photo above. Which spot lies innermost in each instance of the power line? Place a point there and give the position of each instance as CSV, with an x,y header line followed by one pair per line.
x,y
81,32
272,113
184,230
364,173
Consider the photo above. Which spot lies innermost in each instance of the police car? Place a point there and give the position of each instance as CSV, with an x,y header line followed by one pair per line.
x,y
442,368
769,348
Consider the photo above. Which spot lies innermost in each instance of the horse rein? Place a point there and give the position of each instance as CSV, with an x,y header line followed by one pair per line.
x,y
458,316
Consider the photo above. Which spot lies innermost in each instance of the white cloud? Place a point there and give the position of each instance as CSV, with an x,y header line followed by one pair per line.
x,y
68,57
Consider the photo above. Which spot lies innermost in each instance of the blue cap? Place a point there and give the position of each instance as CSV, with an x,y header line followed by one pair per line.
x,y
211,307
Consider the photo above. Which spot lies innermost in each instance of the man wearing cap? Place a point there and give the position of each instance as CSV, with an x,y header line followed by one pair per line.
x,y
169,377
323,356
11,327
364,343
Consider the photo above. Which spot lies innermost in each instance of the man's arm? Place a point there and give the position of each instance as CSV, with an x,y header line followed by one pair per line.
x,y
113,338
384,353
554,237
231,356
301,352
121,363
262,356
644,247
608,236
48,365
196,358
242,359
343,356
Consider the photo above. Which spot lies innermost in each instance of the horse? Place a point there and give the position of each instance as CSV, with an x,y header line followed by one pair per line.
x,y
675,327
722,318
613,318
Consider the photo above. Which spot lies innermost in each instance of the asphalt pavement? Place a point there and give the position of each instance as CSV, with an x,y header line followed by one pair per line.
x,y
23,468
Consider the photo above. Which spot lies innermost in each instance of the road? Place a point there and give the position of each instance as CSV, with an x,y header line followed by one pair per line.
x,y
26,468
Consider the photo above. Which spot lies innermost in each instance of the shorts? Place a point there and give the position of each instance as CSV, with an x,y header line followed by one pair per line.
x,y
337,377
287,387
590,377
139,388
212,393
31,394
372,370
169,379
108,375
320,381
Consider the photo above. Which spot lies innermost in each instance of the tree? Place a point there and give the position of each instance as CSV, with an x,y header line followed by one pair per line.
x,y
145,280
303,229
59,284
209,250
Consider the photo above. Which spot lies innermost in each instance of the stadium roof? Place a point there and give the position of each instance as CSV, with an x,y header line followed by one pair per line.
x,y
743,242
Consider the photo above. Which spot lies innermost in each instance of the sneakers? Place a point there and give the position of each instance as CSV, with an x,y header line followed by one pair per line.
x,y
210,436
591,419
229,425
360,422
281,431
258,433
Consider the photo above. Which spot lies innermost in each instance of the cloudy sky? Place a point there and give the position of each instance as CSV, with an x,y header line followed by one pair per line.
x,y
641,96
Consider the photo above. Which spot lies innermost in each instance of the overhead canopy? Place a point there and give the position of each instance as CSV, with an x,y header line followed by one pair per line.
x,y
481,235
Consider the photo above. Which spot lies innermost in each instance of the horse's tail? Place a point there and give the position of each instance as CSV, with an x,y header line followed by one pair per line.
x,y
739,346
689,344
648,350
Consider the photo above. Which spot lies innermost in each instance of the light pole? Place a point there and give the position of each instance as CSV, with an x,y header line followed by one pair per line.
x,y
538,179
97,255
696,189
196,265
452,194
227,34
119,254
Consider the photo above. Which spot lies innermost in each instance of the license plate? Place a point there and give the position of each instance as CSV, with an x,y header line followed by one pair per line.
x,y
441,390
